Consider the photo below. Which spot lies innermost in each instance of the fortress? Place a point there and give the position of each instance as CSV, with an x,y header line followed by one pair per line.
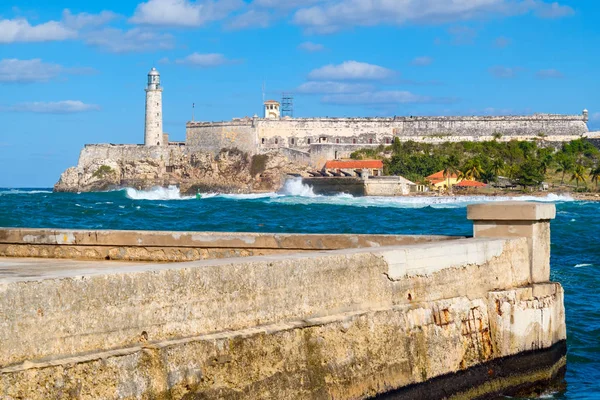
x,y
316,140
303,142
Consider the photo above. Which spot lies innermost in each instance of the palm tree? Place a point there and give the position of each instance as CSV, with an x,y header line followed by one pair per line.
x,y
473,168
450,168
497,166
579,175
565,164
595,174
545,161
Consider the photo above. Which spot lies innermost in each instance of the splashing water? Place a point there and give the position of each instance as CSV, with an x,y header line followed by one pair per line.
x,y
157,193
295,187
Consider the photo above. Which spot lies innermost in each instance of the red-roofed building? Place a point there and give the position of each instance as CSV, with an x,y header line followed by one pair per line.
x,y
440,181
439,176
374,167
470,184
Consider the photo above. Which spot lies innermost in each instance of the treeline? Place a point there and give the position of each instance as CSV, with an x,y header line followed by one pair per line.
x,y
525,163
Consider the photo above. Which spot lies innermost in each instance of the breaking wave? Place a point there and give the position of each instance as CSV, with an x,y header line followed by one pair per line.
x,y
157,193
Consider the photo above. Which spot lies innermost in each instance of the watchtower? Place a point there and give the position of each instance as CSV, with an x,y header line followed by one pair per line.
x,y
272,109
153,134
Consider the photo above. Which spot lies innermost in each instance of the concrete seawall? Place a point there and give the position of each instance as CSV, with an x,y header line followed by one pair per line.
x,y
313,317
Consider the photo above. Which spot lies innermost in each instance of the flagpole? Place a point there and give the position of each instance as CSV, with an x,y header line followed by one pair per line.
x,y
193,106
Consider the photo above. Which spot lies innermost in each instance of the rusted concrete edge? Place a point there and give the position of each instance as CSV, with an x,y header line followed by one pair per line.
x,y
520,374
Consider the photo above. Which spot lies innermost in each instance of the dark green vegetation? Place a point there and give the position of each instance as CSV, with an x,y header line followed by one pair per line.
x,y
525,163
103,171
258,164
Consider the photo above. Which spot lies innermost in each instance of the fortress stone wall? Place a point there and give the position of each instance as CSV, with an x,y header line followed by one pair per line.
x,y
304,134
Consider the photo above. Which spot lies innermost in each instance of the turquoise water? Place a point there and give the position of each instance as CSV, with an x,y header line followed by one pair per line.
x,y
575,236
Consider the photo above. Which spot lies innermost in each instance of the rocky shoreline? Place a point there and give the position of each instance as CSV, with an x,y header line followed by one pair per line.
x,y
230,171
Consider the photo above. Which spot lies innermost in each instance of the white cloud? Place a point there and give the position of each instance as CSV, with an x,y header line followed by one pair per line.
x,y
422,61
54,107
83,20
552,10
133,40
184,13
19,30
332,87
204,60
311,47
14,70
69,27
351,70
250,19
285,4
549,74
382,97
334,15
504,72
34,70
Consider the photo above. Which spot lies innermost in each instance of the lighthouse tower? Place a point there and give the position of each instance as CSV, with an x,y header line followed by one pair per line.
x,y
153,135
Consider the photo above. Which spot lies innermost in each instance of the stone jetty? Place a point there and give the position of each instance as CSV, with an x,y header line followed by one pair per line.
x,y
191,315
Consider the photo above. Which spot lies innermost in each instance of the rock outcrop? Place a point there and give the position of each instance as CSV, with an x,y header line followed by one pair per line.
x,y
230,171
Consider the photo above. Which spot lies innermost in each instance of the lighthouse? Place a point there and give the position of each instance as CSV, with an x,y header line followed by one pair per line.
x,y
153,134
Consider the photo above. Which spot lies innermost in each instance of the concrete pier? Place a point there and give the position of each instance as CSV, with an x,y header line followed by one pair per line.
x,y
263,316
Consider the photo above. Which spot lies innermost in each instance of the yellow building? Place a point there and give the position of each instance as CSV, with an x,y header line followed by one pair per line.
x,y
440,182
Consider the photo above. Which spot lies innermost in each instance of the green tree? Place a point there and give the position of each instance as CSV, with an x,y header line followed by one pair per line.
x,y
565,163
578,175
529,174
595,174
471,169
450,167
497,166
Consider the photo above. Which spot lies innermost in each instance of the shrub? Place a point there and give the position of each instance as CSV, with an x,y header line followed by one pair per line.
x,y
258,164
102,171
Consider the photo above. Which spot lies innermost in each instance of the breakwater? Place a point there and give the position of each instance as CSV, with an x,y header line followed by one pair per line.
x,y
355,319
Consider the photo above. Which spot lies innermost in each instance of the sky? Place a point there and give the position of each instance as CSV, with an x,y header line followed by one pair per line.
x,y
73,72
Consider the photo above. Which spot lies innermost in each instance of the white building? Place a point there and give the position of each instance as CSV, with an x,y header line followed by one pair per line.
x,y
272,109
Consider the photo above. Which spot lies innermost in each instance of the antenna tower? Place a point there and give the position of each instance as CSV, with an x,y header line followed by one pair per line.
x,y
287,105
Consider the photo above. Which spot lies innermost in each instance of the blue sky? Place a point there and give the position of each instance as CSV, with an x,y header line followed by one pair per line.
x,y
74,72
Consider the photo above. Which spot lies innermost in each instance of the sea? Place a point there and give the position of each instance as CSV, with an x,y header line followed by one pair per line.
x,y
296,209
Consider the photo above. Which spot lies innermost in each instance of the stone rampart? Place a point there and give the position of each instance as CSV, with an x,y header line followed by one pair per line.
x,y
307,134
129,152
214,136
466,317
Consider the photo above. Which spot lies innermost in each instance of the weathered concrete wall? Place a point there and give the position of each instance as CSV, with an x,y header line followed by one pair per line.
x,y
334,185
214,136
387,186
343,324
181,246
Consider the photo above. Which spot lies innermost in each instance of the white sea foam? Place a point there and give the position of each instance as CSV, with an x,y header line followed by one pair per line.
x,y
23,191
157,193
295,192
582,265
410,201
